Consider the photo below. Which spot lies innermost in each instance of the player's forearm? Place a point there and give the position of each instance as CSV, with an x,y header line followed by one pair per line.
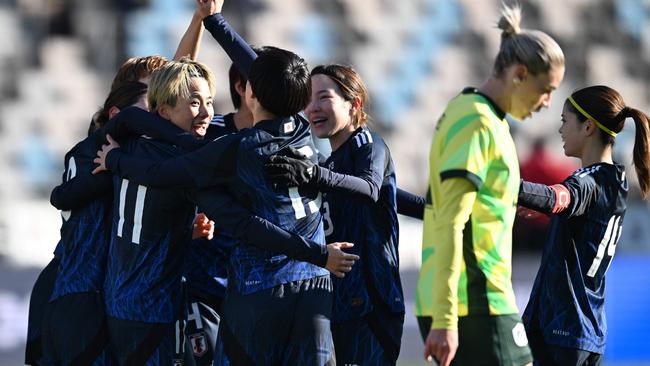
x,y
263,234
191,40
410,204
241,224
457,199
134,121
81,190
543,198
329,180
241,54
170,173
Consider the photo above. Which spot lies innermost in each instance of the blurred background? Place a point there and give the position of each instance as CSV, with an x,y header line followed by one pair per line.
x,y
58,57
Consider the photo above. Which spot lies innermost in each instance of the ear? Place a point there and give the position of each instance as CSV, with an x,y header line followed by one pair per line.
x,y
164,111
520,72
112,111
355,105
589,127
240,88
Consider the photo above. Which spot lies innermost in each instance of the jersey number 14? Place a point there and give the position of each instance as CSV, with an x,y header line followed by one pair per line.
x,y
609,241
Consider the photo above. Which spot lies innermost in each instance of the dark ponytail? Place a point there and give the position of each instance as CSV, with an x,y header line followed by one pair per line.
x,y
641,152
607,108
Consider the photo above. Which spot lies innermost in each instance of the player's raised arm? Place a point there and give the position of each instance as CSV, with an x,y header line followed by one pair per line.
x,y
241,54
191,40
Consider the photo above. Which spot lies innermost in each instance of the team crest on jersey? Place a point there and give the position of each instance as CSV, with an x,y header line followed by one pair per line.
x,y
199,344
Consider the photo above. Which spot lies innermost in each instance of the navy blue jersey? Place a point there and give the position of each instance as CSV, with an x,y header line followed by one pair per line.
x,y
205,268
152,229
234,164
371,226
85,231
252,269
567,301
221,125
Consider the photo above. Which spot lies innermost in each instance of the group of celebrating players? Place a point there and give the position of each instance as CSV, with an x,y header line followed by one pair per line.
x,y
190,238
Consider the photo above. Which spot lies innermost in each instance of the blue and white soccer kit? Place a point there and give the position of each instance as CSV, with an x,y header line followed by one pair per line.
x,y
566,306
368,311
152,230
75,329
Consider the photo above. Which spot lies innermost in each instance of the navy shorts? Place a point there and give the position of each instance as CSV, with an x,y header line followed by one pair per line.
x,y
201,329
135,343
38,300
549,355
372,340
285,325
75,331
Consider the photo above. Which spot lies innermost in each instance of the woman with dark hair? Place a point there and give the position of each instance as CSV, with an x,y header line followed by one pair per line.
x,y
74,323
565,318
359,206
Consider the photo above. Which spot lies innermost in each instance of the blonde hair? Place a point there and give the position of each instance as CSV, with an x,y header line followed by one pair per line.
x,y
172,82
532,48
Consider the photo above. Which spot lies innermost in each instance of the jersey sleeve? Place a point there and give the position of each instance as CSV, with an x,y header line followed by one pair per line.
x,y
445,262
241,54
370,164
582,190
134,121
240,223
410,204
212,164
81,190
80,186
465,151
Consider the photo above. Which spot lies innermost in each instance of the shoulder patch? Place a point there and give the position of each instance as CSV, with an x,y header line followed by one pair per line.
x,y
363,137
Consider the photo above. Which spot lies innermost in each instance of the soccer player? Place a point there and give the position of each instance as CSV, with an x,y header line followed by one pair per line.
x,y
134,69
205,270
276,309
76,305
358,206
565,316
152,230
465,302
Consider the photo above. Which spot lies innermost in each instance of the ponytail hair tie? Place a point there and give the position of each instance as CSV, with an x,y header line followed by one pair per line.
x,y
626,112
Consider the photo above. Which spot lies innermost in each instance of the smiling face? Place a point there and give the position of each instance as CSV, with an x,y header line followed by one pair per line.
x,y
533,92
572,132
328,112
192,114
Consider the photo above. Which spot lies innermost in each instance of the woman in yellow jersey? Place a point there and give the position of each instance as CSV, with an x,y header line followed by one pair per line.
x,y
465,303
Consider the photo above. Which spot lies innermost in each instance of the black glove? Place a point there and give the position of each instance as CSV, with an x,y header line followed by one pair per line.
x,y
291,170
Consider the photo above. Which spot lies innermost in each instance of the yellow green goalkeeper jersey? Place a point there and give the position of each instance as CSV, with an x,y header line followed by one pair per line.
x,y
472,141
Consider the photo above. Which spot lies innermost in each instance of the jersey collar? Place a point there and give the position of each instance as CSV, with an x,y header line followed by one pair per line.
x,y
498,111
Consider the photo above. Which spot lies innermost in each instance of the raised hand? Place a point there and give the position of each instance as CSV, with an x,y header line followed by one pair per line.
x,y
209,7
338,261
101,154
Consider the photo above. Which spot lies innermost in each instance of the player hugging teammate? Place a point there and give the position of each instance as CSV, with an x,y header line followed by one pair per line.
x,y
202,238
